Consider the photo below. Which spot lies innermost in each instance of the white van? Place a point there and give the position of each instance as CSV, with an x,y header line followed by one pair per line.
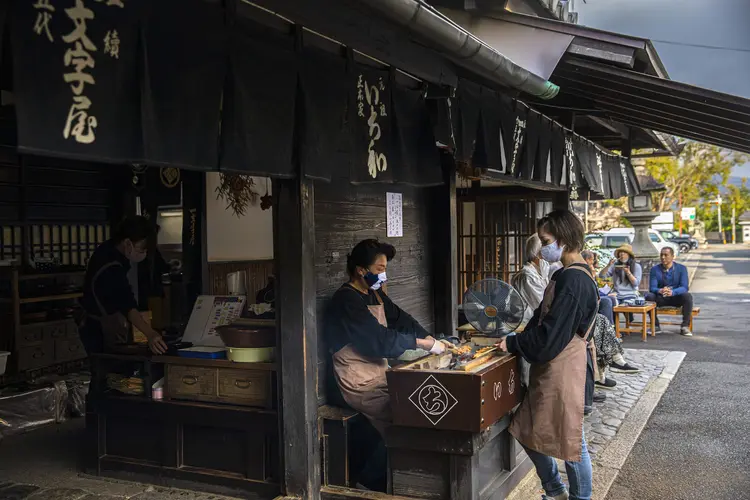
x,y
616,236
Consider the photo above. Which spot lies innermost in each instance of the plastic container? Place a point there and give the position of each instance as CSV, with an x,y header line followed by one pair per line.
x,y
3,361
245,337
203,352
250,354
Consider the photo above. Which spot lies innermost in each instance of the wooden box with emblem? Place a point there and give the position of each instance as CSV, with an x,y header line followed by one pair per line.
x,y
434,393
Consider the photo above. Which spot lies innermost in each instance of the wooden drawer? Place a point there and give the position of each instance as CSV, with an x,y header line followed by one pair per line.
x,y
56,330
32,358
30,335
191,382
69,349
244,387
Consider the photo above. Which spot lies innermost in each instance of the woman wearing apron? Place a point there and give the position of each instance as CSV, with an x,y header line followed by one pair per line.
x,y
364,328
549,421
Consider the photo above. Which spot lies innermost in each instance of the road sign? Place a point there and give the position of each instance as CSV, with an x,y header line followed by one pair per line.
x,y
688,213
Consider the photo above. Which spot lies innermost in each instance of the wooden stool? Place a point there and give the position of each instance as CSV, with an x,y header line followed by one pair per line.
x,y
647,310
335,425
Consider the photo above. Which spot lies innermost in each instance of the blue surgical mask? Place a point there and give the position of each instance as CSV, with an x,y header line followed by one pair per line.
x,y
552,252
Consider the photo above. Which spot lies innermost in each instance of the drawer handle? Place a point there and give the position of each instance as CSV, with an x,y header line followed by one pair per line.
x,y
74,347
242,384
189,380
37,354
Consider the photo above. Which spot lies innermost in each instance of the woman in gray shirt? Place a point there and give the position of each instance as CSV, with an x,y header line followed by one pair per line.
x,y
625,272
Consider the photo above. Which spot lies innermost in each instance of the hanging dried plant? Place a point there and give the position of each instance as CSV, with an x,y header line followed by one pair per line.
x,y
466,170
237,190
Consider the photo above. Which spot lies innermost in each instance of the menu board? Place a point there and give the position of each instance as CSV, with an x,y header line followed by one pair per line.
x,y
209,312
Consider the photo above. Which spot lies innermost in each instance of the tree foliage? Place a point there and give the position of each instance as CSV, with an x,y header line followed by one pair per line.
x,y
696,174
734,196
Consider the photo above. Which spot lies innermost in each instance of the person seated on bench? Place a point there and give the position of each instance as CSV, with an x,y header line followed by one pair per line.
x,y
606,302
668,287
625,272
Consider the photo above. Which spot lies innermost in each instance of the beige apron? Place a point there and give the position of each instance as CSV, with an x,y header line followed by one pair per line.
x,y
550,418
362,380
115,327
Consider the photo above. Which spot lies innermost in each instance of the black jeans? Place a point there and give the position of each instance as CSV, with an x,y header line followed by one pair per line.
x,y
685,301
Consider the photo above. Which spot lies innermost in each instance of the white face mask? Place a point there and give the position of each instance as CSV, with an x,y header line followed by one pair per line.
x,y
552,252
382,278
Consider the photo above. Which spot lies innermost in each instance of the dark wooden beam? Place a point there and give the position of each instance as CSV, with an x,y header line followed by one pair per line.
x,y
445,247
294,248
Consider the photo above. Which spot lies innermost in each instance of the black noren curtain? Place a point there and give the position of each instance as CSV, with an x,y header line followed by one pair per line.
x,y
185,69
325,136
416,155
542,163
257,133
77,92
468,123
557,154
371,118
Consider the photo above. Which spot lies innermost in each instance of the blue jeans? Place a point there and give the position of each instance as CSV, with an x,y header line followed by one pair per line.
x,y
606,304
579,474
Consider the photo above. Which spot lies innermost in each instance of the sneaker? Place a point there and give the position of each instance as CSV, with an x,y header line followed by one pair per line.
x,y
599,397
587,410
626,368
608,384
685,332
657,329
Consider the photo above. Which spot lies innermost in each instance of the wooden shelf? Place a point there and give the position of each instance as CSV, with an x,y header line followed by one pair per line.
x,y
39,276
213,363
51,298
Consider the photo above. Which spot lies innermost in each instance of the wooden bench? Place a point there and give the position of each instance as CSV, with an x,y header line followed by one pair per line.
x,y
677,311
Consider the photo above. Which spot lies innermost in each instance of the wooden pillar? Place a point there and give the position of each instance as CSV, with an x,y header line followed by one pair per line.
x,y
294,247
446,251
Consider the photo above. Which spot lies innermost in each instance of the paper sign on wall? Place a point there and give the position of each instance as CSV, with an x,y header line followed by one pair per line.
x,y
394,212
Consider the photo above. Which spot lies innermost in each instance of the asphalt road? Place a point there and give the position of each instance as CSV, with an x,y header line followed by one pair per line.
x,y
697,442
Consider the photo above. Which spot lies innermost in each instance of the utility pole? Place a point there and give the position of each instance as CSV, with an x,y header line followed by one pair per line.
x,y
734,234
680,213
721,227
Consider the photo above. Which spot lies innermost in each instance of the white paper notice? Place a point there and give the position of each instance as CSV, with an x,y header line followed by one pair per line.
x,y
394,209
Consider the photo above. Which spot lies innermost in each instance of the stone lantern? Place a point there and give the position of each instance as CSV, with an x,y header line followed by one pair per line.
x,y
640,216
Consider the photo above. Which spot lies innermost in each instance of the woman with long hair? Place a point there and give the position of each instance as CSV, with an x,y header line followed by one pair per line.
x,y
625,272
549,421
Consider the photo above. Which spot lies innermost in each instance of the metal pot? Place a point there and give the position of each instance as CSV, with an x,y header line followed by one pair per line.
x,y
244,337
236,283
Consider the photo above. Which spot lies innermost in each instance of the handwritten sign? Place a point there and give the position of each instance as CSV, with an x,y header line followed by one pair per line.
x,y
394,211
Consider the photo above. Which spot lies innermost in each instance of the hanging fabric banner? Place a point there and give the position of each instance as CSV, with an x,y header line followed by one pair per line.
x,y
75,78
590,163
371,118
258,118
573,169
542,162
417,160
557,154
515,143
493,112
441,115
468,118
185,46
325,148
531,143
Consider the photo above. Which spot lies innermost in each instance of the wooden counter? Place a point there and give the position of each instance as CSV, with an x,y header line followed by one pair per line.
x,y
203,445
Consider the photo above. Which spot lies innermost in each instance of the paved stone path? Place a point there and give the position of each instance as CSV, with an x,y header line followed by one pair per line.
x,y
602,425
13,491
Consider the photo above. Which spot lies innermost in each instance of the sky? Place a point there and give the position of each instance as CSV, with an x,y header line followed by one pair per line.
x,y
714,23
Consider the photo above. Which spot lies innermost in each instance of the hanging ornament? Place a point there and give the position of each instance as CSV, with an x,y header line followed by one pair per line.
x,y
266,201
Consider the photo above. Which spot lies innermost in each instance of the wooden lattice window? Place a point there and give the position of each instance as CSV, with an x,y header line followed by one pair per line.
x,y
492,234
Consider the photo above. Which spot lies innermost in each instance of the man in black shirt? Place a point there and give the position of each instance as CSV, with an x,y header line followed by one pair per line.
x,y
109,303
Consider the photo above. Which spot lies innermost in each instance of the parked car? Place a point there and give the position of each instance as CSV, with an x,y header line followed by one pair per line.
x,y
685,242
621,235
